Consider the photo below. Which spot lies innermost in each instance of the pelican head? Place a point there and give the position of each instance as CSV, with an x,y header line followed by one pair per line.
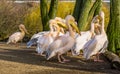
x,y
58,19
96,23
22,28
101,14
52,23
72,22
56,24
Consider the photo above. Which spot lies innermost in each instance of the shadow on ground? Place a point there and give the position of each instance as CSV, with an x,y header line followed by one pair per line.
x,y
28,56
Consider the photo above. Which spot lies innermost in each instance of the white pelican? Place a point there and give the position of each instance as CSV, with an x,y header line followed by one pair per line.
x,y
17,36
64,43
44,41
97,44
82,39
34,38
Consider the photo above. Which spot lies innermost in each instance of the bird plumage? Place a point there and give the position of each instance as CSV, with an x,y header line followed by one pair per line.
x,y
44,41
34,38
85,36
17,36
98,43
63,43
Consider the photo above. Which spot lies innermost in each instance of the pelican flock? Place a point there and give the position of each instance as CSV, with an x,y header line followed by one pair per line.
x,y
44,41
85,36
64,36
63,43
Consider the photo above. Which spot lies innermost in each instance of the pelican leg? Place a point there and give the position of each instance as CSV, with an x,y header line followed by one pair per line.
x,y
98,58
16,44
42,54
59,59
65,60
95,58
21,42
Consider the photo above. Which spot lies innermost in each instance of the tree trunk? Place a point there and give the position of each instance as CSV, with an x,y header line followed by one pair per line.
x,y
84,11
45,15
113,30
99,7
96,8
84,14
77,9
53,8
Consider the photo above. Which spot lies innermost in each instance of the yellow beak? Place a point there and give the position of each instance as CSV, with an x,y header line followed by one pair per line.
x,y
62,25
74,25
25,30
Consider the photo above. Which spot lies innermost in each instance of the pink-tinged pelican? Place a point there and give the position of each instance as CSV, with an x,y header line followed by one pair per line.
x,y
17,36
82,39
44,41
98,44
64,43
35,37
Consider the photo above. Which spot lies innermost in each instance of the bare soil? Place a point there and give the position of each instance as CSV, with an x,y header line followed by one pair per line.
x,y
22,60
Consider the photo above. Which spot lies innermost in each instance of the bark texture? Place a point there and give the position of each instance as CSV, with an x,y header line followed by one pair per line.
x,y
113,30
84,11
47,14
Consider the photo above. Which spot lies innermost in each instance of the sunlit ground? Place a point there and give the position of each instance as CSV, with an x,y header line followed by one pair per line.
x,y
21,60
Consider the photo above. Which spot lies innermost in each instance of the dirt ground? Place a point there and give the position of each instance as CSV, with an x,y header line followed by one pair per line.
x,y
22,60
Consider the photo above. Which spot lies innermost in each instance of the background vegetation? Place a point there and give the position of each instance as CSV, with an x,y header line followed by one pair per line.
x,y
29,14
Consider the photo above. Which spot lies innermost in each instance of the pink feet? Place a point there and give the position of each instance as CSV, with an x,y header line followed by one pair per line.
x,y
61,61
64,61
95,60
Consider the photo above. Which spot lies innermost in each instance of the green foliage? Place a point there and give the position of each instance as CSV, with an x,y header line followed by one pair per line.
x,y
11,16
33,21
65,8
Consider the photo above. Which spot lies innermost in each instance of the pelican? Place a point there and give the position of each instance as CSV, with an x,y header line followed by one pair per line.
x,y
61,22
44,41
34,38
85,37
63,43
18,36
98,44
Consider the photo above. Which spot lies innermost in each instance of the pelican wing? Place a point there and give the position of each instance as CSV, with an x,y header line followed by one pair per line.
x,y
81,41
89,48
104,47
34,38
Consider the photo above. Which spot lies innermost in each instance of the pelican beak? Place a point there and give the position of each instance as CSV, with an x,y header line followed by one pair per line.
x,y
25,30
62,25
97,25
74,25
99,17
